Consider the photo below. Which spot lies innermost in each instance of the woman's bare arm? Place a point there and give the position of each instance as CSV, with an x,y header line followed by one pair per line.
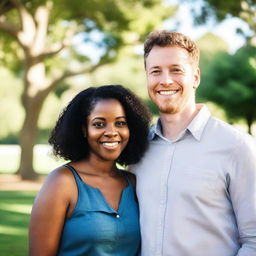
x,y
49,212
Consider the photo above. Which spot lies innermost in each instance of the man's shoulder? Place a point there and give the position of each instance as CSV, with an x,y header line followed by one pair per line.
x,y
226,132
223,126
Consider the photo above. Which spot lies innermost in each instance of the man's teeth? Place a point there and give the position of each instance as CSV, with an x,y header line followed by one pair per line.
x,y
110,144
167,92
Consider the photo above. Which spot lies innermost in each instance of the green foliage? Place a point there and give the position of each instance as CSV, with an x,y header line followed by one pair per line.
x,y
11,113
37,43
152,107
61,89
49,114
112,19
230,82
7,59
209,45
128,70
219,9
10,138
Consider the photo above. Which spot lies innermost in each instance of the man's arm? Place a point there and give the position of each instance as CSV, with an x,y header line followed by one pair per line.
x,y
243,195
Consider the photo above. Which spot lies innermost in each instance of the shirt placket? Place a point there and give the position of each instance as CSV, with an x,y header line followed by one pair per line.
x,y
163,198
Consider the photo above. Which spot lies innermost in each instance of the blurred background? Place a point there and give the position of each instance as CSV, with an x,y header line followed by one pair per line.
x,y
52,49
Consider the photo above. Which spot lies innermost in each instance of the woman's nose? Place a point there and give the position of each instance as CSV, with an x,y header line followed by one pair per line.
x,y
110,131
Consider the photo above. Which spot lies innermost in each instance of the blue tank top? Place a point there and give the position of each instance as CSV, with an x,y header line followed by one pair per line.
x,y
95,229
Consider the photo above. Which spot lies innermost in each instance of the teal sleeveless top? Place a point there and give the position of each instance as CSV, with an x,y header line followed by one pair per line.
x,y
95,229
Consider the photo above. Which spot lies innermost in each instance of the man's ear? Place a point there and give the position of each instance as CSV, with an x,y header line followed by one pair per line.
x,y
196,78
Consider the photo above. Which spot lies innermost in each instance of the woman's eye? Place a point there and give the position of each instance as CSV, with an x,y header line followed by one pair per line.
x,y
99,124
121,123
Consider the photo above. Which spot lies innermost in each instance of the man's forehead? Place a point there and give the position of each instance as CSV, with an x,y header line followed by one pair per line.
x,y
168,55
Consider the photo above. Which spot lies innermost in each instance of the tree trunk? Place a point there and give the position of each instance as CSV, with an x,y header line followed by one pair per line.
x,y
28,137
34,94
249,120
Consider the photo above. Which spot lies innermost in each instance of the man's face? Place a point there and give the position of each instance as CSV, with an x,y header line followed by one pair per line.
x,y
171,78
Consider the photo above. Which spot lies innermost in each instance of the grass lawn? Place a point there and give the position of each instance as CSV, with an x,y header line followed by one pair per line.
x,y
15,207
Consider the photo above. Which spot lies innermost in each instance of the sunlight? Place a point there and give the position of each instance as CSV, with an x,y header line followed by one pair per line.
x,y
18,208
12,231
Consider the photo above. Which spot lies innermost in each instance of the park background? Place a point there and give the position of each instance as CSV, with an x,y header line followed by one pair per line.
x,y
52,49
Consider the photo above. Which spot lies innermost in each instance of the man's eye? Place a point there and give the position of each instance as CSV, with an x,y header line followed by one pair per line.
x,y
98,124
121,123
176,70
155,72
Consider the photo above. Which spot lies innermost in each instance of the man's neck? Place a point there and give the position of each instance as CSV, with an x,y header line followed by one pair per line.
x,y
174,124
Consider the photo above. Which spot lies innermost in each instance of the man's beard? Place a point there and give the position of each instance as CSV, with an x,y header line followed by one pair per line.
x,y
168,107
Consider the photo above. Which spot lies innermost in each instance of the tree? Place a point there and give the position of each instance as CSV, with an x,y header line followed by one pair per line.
x,y
230,82
243,9
36,42
210,45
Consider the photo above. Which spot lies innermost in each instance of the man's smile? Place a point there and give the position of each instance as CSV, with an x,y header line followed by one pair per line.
x,y
169,92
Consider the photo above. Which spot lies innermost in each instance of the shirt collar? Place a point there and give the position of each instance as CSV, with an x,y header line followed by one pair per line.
x,y
196,126
156,129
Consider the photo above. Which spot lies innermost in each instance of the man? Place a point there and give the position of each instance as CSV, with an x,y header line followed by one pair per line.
x,y
196,185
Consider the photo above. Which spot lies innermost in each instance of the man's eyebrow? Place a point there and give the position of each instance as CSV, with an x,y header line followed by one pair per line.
x,y
154,67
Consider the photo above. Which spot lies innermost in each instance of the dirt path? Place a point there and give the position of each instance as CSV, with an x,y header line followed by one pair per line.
x,y
13,182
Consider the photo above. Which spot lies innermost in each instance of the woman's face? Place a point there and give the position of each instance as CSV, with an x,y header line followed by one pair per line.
x,y
107,131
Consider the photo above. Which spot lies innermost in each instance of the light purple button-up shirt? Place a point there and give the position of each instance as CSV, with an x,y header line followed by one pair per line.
x,y
197,194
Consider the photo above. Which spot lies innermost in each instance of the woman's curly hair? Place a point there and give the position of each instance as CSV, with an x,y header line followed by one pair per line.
x,y
67,137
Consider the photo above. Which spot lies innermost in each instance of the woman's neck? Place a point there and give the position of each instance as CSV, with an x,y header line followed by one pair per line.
x,y
96,167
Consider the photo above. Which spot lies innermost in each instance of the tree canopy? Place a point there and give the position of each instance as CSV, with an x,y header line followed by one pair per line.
x,y
36,43
243,9
231,84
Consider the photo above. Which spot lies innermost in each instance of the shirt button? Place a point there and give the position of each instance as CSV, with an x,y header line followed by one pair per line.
x,y
118,216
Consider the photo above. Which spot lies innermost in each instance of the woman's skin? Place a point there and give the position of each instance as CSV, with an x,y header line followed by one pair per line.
x,y
107,134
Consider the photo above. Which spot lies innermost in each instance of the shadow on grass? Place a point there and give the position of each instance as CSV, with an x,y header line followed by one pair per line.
x,y
15,208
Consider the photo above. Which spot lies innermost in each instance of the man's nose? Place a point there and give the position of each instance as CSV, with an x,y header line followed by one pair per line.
x,y
166,79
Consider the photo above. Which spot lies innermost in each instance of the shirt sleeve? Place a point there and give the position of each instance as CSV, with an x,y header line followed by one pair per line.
x,y
242,191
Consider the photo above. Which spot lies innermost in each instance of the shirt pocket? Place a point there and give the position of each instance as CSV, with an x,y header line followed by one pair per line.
x,y
200,182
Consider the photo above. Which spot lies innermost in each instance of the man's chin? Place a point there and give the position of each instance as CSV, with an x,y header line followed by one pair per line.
x,y
165,107
168,110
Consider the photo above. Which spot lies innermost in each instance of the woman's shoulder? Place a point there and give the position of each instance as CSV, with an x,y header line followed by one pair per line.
x,y
61,177
59,189
61,174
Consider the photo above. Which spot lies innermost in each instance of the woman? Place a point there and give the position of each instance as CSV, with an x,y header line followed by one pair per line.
x,y
88,206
